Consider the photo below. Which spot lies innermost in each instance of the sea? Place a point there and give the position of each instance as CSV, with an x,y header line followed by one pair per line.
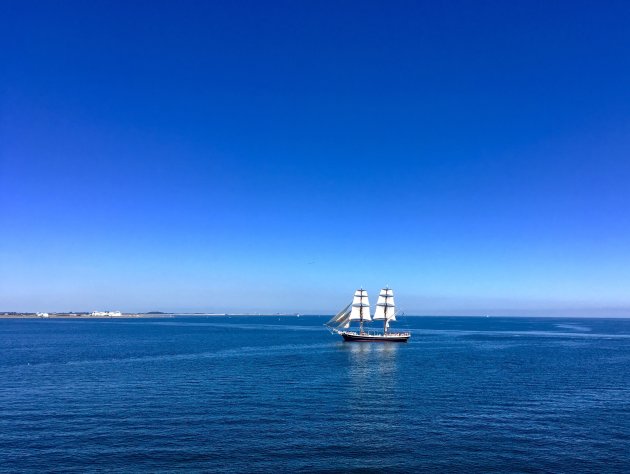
x,y
282,394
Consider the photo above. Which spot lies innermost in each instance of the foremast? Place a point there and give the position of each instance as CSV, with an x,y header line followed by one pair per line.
x,y
385,308
360,308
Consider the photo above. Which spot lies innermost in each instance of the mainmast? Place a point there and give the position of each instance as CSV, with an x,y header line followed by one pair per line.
x,y
360,308
385,308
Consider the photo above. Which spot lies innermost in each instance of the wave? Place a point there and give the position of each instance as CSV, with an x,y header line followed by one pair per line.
x,y
247,351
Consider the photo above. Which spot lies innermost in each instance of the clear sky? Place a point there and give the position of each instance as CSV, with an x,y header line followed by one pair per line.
x,y
273,156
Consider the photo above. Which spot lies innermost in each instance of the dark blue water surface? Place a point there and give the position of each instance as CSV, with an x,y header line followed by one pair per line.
x,y
262,394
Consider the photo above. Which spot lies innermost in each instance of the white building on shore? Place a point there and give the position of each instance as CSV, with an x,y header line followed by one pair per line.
x,y
105,313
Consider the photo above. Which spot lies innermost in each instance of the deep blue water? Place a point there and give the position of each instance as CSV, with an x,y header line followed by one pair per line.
x,y
262,394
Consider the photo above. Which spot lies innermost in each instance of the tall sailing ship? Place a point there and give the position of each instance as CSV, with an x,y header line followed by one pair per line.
x,y
359,310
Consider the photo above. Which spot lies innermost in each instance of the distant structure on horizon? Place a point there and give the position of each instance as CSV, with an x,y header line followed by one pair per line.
x,y
42,315
106,313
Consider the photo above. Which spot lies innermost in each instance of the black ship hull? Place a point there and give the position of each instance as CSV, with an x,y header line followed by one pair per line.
x,y
355,337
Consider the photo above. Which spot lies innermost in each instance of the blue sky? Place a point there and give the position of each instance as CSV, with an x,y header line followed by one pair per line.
x,y
272,156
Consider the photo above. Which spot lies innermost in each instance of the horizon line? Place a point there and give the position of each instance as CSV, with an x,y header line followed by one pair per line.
x,y
27,314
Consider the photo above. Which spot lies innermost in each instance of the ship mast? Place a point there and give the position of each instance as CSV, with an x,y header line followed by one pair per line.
x,y
385,308
385,315
360,308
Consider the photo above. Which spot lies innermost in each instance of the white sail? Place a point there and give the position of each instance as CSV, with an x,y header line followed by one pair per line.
x,y
381,313
360,298
360,306
360,312
345,324
385,306
341,315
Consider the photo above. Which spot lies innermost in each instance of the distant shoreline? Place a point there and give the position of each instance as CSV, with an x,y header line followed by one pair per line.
x,y
131,315
87,316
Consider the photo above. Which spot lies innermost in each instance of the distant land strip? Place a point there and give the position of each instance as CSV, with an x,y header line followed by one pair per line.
x,y
152,314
